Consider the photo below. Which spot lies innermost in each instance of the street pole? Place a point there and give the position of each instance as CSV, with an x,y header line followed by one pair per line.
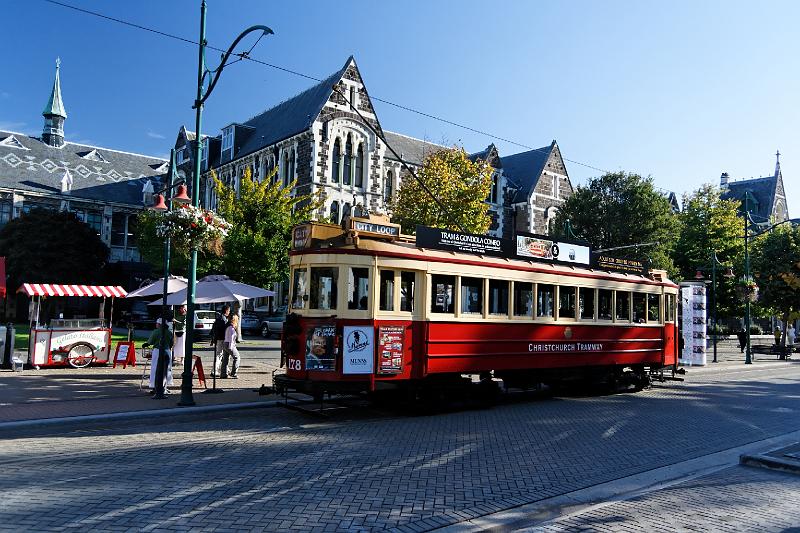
x,y
187,398
714,301
161,367
748,360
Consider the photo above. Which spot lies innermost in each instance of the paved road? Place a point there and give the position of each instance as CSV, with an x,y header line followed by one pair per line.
x,y
370,469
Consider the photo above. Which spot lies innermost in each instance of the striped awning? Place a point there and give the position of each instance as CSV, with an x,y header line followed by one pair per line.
x,y
47,289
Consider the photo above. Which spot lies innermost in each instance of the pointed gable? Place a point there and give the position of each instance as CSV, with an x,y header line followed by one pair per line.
x,y
12,142
523,170
490,155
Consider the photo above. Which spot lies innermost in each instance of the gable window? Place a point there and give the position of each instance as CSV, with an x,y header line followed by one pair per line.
x,y
353,97
387,186
493,193
204,153
179,157
555,186
359,181
285,169
227,140
291,166
347,179
336,163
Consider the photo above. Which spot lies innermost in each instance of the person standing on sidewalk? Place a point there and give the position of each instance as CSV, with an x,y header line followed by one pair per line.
x,y
179,326
218,336
790,336
155,342
231,352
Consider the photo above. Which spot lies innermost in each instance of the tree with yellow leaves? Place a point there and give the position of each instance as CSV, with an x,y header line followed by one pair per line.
x,y
456,195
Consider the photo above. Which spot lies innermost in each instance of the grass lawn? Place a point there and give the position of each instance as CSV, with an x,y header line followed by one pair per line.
x,y
22,336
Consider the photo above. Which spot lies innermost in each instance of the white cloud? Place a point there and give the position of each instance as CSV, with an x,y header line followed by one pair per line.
x,y
154,135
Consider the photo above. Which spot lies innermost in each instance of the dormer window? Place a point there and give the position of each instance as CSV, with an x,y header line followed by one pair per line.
x,y
204,153
227,140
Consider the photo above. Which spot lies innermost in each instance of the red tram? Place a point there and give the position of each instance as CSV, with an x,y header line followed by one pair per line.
x,y
371,309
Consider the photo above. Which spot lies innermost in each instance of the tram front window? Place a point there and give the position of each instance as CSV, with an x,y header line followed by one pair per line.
x,y
586,303
638,307
358,289
387,290
604,304
299,289
323,287
407,286
545,295
498,297
523,299
471,295
653,302
566,302
442,300
623,306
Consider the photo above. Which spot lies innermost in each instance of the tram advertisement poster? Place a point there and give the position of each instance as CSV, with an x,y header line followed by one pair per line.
x,y
693,302
359,349
618,264
454,241
540,247
321,347
391,340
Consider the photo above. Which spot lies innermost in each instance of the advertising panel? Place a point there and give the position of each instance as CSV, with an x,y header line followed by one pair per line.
x,y
391,340
541,247
618,264
321,347
454,241
359,349
693,317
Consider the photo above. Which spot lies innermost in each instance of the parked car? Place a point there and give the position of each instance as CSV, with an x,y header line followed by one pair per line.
x,y
138,315
203,322
273,325
250,323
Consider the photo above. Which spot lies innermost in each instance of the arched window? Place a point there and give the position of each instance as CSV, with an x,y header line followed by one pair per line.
x,y
291,166
346,210
257,169
347,179
337,156
388,183
285,169
335,212
359,181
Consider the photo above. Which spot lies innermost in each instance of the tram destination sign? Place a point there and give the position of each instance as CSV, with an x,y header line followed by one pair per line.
x,y
618,264
470,243
364,226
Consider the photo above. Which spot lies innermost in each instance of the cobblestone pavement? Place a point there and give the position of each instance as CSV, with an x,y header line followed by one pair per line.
x,y
372,469
735,499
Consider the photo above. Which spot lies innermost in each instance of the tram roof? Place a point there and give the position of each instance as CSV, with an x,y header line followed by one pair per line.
x,y
406,248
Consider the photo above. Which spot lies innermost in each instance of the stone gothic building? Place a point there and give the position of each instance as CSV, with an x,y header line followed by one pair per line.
x,y
766,196
317,139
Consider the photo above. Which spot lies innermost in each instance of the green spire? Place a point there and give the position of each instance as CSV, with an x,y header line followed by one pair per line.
x,y
55,106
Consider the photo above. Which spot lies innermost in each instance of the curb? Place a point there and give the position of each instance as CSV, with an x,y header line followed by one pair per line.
x,y
134,415
770,463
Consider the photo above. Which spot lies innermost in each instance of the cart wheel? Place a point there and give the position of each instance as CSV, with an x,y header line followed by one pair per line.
x,y
80,355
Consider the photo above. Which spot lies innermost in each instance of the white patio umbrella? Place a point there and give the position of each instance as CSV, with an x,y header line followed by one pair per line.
x,y
218,289
174,284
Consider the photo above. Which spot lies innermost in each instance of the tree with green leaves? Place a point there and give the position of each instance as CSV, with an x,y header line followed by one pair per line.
x,y
151,248
262,214
46,246
775,263
711,225
455,198
622,209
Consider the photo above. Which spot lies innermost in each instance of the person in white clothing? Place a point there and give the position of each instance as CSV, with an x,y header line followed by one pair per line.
x,y
790,337
155,342
230,350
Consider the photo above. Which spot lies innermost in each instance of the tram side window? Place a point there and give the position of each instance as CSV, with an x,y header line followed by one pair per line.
x,y
669,312
323,287
604,304
638,307
623,306
523,299
566,302
545,294
498,297
653,314
586,303
387,290
299,289
407,287
358,289
442,295
471,295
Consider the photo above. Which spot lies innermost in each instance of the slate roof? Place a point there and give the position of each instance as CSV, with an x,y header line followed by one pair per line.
x,y
762,189
114,176
524,169
410,149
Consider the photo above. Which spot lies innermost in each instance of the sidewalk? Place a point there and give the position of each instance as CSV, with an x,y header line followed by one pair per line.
x,y
57,393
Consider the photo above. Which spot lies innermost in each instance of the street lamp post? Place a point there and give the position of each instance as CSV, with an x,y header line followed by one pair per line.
x,y
202,95
715,262
165,205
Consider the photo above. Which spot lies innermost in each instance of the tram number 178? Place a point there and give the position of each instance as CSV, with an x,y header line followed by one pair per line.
x,y
295,364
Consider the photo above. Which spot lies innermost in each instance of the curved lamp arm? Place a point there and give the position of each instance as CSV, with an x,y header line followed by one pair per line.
x,y
259,27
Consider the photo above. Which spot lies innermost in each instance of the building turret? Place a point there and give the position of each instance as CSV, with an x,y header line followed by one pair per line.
x,y
723,180
54,114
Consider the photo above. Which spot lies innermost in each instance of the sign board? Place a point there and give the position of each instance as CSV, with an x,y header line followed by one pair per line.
x,y
454,241
313,234
617,264
321,347
364,226
125,354
391,342
533,246
301,237
358,354
693,319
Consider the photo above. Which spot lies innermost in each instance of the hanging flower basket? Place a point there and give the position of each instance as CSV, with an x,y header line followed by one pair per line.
x,y
193,227
747,289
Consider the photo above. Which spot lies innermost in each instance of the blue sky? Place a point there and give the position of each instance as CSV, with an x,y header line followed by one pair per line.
x,y
681,91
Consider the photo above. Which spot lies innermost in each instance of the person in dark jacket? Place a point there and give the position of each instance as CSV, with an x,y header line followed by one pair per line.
x,y
218,335
742,336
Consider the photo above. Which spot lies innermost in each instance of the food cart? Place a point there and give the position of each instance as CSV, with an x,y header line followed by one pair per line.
x,y
76,342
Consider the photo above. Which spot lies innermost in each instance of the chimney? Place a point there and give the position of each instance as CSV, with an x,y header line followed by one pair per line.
x,y
723,180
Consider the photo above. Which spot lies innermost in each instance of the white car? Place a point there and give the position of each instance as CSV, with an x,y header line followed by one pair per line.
x,y
203,322
273,325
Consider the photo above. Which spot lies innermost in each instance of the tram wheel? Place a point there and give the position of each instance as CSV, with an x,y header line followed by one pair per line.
x,y
80,355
